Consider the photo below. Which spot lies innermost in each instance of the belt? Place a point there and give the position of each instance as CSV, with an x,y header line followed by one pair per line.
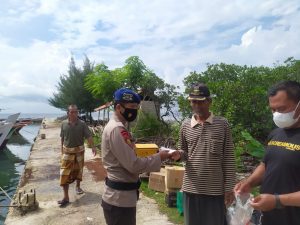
x,y
73,150
122,186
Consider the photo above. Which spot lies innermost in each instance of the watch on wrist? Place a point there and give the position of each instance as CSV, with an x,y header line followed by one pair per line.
x,y
278,204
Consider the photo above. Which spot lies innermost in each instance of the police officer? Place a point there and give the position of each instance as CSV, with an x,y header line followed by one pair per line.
x,y
119,159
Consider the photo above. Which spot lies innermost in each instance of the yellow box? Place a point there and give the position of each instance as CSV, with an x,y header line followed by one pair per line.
x,y
144,150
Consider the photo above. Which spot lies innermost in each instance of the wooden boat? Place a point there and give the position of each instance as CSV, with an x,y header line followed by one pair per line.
x,y
5,128
20,124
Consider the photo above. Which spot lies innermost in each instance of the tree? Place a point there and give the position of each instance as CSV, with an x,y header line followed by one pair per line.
x,y
71,90
103,82
241,93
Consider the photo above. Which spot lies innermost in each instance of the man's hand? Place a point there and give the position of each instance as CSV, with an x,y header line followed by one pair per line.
x,y
264,202
242,187
164,155
94,150
228,198
175,155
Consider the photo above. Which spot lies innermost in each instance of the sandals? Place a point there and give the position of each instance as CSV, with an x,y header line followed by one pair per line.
x,y
63,202
79,191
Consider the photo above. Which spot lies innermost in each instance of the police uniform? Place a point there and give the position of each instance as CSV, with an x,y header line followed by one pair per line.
x,y
123,168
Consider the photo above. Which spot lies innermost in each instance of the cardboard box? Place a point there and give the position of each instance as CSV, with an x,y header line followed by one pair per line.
x,y
169,191
157,181
144,150
174,177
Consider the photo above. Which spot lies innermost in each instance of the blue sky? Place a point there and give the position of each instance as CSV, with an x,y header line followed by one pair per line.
x,y
37,39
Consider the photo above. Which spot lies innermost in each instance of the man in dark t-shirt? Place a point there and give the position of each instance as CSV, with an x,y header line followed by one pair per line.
x,y
279,172
73,132
282,174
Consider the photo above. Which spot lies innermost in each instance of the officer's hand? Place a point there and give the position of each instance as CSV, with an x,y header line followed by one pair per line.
x,y
164,155
242,187
175,155
264,202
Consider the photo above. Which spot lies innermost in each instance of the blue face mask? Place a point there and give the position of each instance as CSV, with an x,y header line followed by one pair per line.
x,y
285,120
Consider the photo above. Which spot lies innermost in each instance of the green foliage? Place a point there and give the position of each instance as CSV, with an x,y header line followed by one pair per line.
x,y
167,98
175,128
241,94
184,106
255,191
238,152
97,142
148,125
241,97
70,89
247,145
134,70
252,146
102,83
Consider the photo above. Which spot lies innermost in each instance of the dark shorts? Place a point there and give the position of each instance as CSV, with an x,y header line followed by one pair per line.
x,y
115,215
203,209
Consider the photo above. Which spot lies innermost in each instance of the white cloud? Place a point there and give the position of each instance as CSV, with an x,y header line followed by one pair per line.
x,y
171,37
247,38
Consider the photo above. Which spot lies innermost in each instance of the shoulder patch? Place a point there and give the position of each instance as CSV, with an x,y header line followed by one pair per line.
x,y
127,137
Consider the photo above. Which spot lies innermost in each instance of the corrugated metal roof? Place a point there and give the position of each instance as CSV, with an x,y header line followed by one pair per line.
x,y
105,106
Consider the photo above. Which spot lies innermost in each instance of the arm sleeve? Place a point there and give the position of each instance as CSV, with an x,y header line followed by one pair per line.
x,y
124,151
269,138
182,145
229,161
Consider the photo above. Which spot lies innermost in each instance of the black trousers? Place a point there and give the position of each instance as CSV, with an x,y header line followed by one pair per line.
x,y
203,209
115,215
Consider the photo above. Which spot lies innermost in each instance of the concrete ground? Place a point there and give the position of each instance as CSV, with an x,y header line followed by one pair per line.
x,y
42,173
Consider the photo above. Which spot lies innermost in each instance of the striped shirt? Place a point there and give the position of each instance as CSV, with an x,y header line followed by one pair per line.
x,y
208,151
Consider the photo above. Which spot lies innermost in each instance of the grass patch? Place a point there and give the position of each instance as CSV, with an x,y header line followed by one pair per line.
x,y
159,197
255,191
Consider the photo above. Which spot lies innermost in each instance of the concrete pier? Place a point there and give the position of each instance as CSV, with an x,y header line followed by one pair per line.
x,y
42,173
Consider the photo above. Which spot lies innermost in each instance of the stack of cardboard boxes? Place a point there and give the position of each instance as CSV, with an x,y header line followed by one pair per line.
x,y
173,182
168,180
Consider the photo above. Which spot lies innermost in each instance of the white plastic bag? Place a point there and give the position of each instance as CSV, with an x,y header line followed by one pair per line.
x,y
240,212
169,150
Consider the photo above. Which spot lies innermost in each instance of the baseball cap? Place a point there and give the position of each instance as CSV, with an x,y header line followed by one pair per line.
x,y
199,92
126,96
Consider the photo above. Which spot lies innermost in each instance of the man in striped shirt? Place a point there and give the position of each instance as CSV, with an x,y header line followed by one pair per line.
x,y
205,143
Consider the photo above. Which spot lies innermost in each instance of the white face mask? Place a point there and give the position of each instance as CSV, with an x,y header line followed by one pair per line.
x,y
285,120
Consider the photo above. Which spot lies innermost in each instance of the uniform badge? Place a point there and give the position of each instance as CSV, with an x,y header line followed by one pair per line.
x,y
127,138
127,97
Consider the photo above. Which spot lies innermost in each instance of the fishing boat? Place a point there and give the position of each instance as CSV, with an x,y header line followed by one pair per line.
x,y
5,129
20,124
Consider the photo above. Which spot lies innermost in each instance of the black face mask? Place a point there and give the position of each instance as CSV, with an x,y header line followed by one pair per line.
x,y
129,114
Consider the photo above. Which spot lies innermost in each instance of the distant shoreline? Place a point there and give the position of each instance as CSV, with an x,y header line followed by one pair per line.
x,y
33,115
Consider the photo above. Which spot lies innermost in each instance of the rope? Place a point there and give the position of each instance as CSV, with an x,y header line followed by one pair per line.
x,y
6,194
